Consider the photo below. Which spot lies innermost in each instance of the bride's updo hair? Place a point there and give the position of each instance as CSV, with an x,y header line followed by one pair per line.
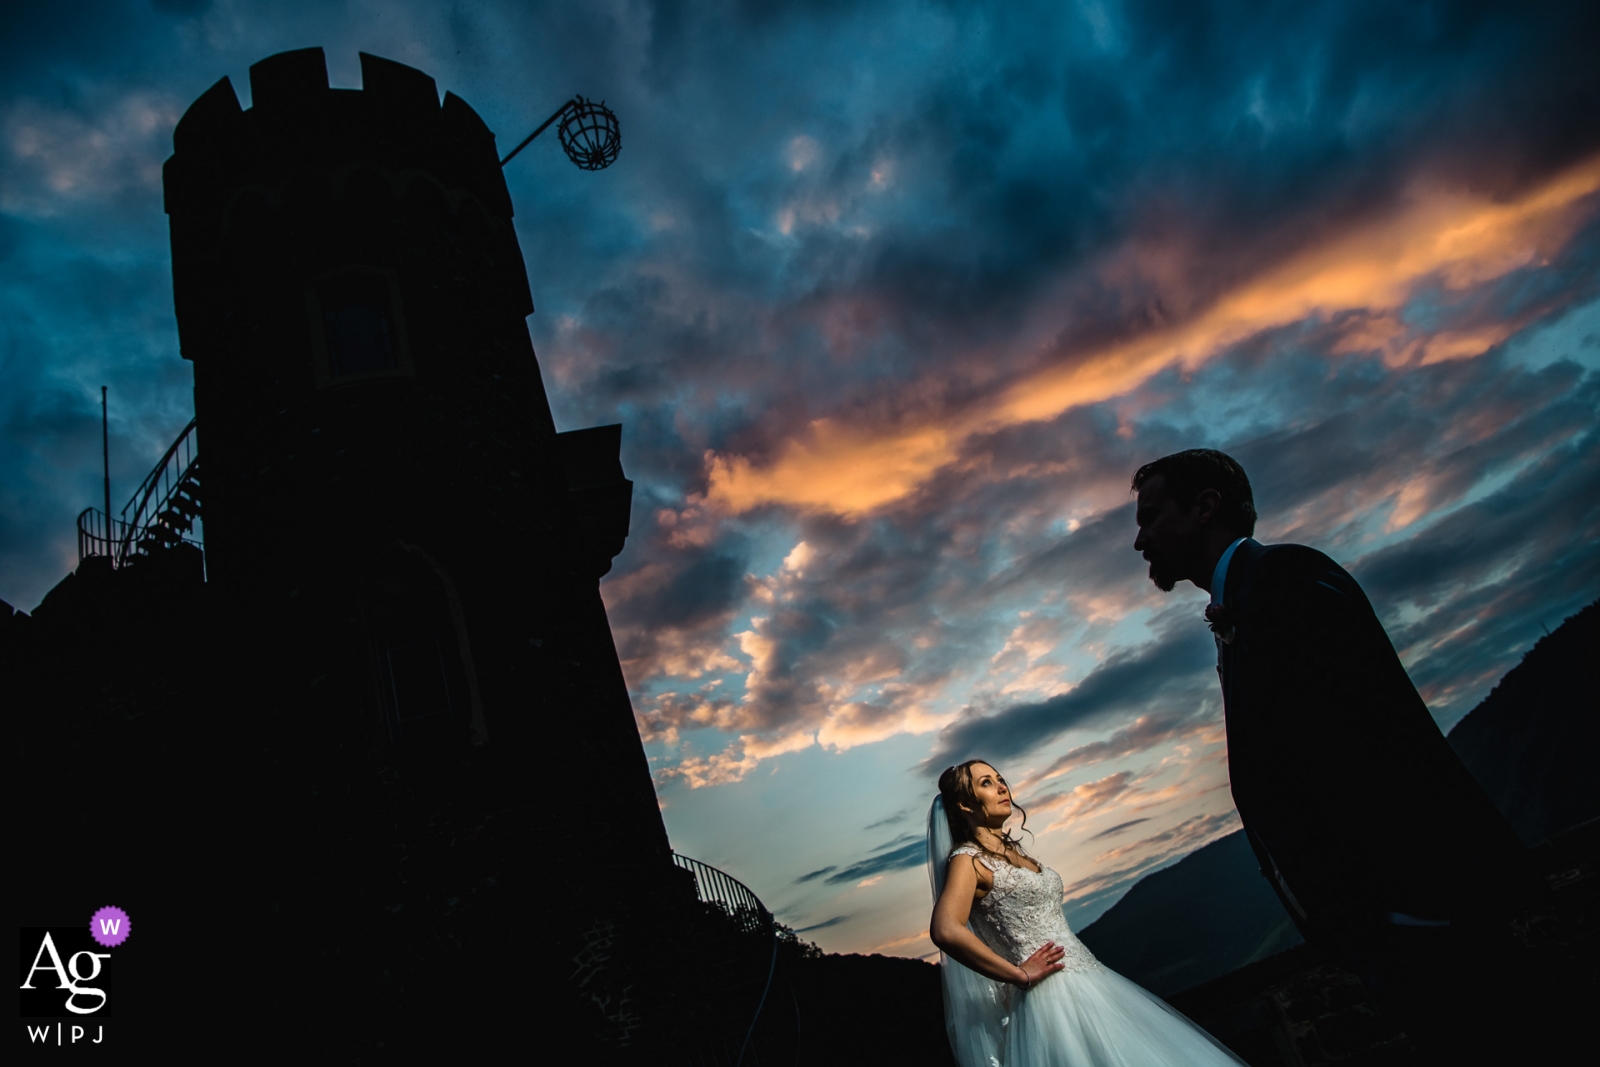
x,y
955,786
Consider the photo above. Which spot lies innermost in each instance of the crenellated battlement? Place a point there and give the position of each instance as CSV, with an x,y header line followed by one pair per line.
x,y
395,120
312,180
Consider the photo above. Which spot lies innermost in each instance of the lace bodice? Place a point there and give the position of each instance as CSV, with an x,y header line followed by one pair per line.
x,y
1023,911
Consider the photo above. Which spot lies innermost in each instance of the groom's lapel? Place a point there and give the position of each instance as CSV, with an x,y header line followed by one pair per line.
x,y
1235,591
1236,587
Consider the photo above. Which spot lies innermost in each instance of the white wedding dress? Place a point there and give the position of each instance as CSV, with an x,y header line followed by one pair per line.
x,y
1085,1015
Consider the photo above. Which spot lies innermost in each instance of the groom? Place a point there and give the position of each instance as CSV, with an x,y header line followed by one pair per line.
x,y
1377,840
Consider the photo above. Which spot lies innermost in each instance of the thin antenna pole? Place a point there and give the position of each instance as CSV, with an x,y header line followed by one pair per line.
x,y
542,127
105,455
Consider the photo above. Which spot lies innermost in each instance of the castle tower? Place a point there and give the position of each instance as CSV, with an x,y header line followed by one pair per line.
x,y
408,550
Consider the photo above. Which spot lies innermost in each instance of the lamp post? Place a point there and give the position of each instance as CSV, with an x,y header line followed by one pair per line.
x,y
589,134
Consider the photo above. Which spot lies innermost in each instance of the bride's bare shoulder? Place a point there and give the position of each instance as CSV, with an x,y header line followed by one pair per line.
x,y
968,860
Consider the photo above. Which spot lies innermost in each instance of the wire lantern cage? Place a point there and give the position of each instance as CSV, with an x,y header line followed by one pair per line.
x,y
589,134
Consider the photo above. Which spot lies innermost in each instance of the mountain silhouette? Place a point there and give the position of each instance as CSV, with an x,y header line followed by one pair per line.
x,y
1528,743
1206,915
1531,741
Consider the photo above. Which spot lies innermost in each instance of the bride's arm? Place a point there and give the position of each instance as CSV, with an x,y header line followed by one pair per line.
x,y
949,931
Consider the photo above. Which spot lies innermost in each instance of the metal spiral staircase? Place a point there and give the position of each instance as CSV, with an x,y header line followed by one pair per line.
x,y
161,514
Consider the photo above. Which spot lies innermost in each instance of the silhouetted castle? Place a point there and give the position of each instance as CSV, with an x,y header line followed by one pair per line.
x,y
381,466
386,497
389,724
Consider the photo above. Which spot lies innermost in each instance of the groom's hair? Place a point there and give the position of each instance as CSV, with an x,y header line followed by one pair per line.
x,y
1188,474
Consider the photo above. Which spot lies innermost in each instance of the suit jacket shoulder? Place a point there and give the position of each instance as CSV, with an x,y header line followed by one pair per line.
x,y
1296,584
1271,566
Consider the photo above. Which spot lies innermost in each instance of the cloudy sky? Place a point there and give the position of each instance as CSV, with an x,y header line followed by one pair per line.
x,y
891,300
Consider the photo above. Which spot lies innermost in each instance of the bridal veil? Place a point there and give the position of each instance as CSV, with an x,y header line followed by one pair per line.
x,y
975,1006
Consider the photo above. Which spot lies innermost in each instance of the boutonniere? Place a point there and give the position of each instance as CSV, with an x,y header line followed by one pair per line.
x,y
1220,618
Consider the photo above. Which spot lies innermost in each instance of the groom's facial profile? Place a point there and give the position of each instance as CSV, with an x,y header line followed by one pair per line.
x,y
1167,533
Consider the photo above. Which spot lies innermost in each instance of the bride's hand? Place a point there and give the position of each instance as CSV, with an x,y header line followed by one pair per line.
x,y
1045,961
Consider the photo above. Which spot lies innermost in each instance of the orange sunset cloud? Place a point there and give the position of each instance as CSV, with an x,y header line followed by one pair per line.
x,y
1436,235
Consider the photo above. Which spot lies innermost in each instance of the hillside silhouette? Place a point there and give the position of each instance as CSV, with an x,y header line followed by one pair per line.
x,y
1206,915
1530,742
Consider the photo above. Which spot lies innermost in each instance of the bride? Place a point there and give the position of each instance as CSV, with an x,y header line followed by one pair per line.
x,y
1020,989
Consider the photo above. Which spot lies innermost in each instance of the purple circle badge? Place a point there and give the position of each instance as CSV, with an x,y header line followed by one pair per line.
x,y
109,926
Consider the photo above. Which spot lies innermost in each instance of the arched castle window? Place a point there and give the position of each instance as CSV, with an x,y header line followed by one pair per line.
x,y
420,658
357,329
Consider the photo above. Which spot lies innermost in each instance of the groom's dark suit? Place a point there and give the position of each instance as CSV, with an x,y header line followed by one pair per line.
x,y
1361,815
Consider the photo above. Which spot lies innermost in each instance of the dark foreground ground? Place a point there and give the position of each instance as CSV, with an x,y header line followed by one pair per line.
x,y
1298,1009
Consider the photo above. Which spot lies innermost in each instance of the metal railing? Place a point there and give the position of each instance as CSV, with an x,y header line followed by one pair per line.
x,y
718,887
162,511
150,501
98,534
722,890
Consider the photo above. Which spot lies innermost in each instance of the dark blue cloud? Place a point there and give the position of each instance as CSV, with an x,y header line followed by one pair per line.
x,y
1121,827
912,854
1125,683
907,850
